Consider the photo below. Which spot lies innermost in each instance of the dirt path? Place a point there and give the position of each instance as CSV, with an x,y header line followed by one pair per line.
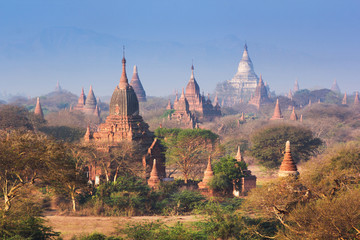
x,y
73,225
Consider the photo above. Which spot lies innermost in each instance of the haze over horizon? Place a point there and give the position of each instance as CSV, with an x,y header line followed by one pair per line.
x,y
79,43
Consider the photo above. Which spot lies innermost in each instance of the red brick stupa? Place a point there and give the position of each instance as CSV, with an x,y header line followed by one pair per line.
x,y
261,95
344,100
154,180
38,110
208,175
356,100
288,166
293,116
277,112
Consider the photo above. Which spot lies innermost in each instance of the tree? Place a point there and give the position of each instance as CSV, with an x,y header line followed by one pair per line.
x,y
14,117
227,172
268,143
24,157
187,148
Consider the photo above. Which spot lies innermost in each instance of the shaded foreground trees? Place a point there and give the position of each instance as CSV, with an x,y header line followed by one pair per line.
x,y
323,204
187,149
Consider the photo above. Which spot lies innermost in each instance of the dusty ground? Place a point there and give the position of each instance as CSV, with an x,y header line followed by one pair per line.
x,y
73,225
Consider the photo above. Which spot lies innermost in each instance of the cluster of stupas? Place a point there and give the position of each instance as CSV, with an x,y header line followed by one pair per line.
x,y
124,123
192,106
277,115
87,105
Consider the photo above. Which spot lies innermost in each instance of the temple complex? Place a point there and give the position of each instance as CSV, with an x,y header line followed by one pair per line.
x,y
125,124
87,105
38,110
137,86
277,112
260,96
193,106
334,87
288,166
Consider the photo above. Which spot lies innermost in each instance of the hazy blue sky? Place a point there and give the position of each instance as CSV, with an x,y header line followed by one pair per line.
x,y
80,43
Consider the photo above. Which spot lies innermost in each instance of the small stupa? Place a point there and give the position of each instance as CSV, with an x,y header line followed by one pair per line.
x,y
238,156
296,86
293,116
277,112
344,100
154,180
242,118
208,175
169,106
356,100
301,118
288,166
38,110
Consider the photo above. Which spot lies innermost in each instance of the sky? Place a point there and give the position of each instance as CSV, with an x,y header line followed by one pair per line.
x,y
80,43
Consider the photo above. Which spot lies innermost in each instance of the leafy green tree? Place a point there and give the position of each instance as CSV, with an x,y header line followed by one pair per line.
x,y
187,148
227,172
14,117
268,144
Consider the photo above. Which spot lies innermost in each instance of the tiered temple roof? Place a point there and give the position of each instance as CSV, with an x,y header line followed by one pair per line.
x,y
288,166
137,86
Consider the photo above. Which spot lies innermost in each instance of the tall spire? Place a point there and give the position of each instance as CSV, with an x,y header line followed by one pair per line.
x,y
123,79
38,110
288,166
277,112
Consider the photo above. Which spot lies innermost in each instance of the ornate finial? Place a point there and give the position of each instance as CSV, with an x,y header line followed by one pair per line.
x,y
287,146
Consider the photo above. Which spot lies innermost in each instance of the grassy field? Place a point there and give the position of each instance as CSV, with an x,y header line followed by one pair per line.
x,y
70,226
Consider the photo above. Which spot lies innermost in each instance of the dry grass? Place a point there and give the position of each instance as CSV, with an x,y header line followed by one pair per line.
x,y
73,225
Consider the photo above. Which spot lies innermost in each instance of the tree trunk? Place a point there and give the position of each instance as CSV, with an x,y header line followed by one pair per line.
x,y
7,202
185,178
116,173
73,200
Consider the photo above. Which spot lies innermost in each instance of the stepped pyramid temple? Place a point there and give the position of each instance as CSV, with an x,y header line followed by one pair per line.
x,y
125,124
261,95
137,86
243,84
87,105
334,87
193,106
288,166
38,110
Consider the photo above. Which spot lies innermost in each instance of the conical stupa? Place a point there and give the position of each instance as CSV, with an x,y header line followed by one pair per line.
x,y
261,95
277,112
154,180
288,166
137,86
238,156
334,87
38,110
356,100
344,100
293,116
208,175
90,103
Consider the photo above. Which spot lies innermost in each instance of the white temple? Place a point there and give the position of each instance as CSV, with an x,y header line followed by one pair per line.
x,y
245,80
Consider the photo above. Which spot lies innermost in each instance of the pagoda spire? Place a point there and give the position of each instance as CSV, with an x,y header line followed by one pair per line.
x,y
296,86
288,166
154,180
208,175
238,156
356,100
38,110
277,112
293,116
344,101
123,79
